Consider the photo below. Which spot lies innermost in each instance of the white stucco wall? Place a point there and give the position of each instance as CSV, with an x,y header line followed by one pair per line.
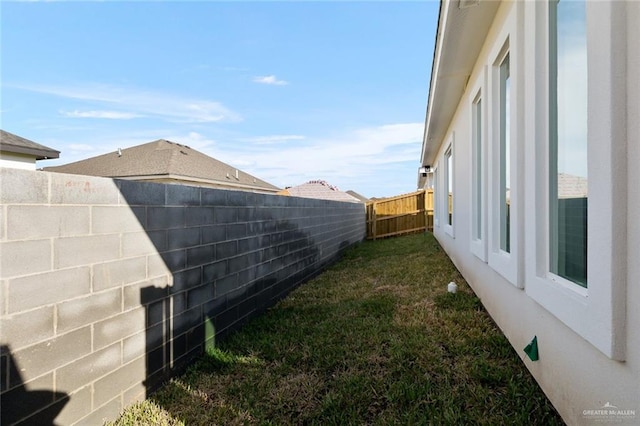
x,y
17,161
590,352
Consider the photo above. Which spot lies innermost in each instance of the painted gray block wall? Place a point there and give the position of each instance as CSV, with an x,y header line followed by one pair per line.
x,y
108,286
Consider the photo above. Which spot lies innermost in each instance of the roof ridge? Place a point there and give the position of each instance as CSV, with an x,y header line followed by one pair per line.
x,y
163,157
324,183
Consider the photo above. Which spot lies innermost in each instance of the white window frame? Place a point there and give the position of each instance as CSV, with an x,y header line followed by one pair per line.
x,y
449,175
478,244
436,194
505,263
598,312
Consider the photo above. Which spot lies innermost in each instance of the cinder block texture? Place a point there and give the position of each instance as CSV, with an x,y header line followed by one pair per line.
x,y
117,328
82,190
28,327
143,243
85,250
181,195
86,310
117,219
43,289
110,286
26,222
23,186
89,368
109,411
119,272
141,193
51,354
3,228
77,406
24,257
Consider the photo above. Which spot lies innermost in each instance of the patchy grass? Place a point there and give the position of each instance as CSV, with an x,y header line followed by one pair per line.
x,y
376,339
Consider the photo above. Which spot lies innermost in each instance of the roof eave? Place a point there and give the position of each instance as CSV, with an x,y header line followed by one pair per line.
x,y
40,154
461,34
432,81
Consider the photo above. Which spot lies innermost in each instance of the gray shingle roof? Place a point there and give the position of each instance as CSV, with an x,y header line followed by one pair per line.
x,y
358,196
164,158
319,189
19,145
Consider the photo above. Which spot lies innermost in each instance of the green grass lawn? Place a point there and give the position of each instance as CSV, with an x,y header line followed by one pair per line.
x,y
376,339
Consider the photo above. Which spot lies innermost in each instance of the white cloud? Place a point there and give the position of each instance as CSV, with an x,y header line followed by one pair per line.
x,y
166,106
375,161
340,159
270,79
113,115
274,139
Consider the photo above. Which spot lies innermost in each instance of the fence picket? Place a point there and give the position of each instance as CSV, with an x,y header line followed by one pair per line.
x,y
402,214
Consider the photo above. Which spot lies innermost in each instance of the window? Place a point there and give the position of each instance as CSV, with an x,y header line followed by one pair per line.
x,y
476,140
436,194
505,142
476,143
505,157
568,193
578,242
449,185
448,179
477,178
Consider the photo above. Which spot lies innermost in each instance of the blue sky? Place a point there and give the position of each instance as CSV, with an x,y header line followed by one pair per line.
x,y
286,91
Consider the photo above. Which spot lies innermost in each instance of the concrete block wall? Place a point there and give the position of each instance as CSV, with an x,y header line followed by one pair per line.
x,y
109,286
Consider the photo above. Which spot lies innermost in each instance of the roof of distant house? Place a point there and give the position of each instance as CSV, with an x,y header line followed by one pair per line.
x,y
319,189
354,194
19,145
163,159
571,186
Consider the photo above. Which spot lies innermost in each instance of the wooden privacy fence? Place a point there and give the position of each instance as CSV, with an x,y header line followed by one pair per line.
x,y
403,214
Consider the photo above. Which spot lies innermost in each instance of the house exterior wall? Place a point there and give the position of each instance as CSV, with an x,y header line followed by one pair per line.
x,y
589,341
109,286
17,161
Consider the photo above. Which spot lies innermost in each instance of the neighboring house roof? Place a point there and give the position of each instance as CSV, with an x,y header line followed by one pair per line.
x,y
462,28
570,186
19,145
354,194
164,159
319,189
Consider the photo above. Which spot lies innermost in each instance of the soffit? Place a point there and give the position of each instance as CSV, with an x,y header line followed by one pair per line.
x,y
461,35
